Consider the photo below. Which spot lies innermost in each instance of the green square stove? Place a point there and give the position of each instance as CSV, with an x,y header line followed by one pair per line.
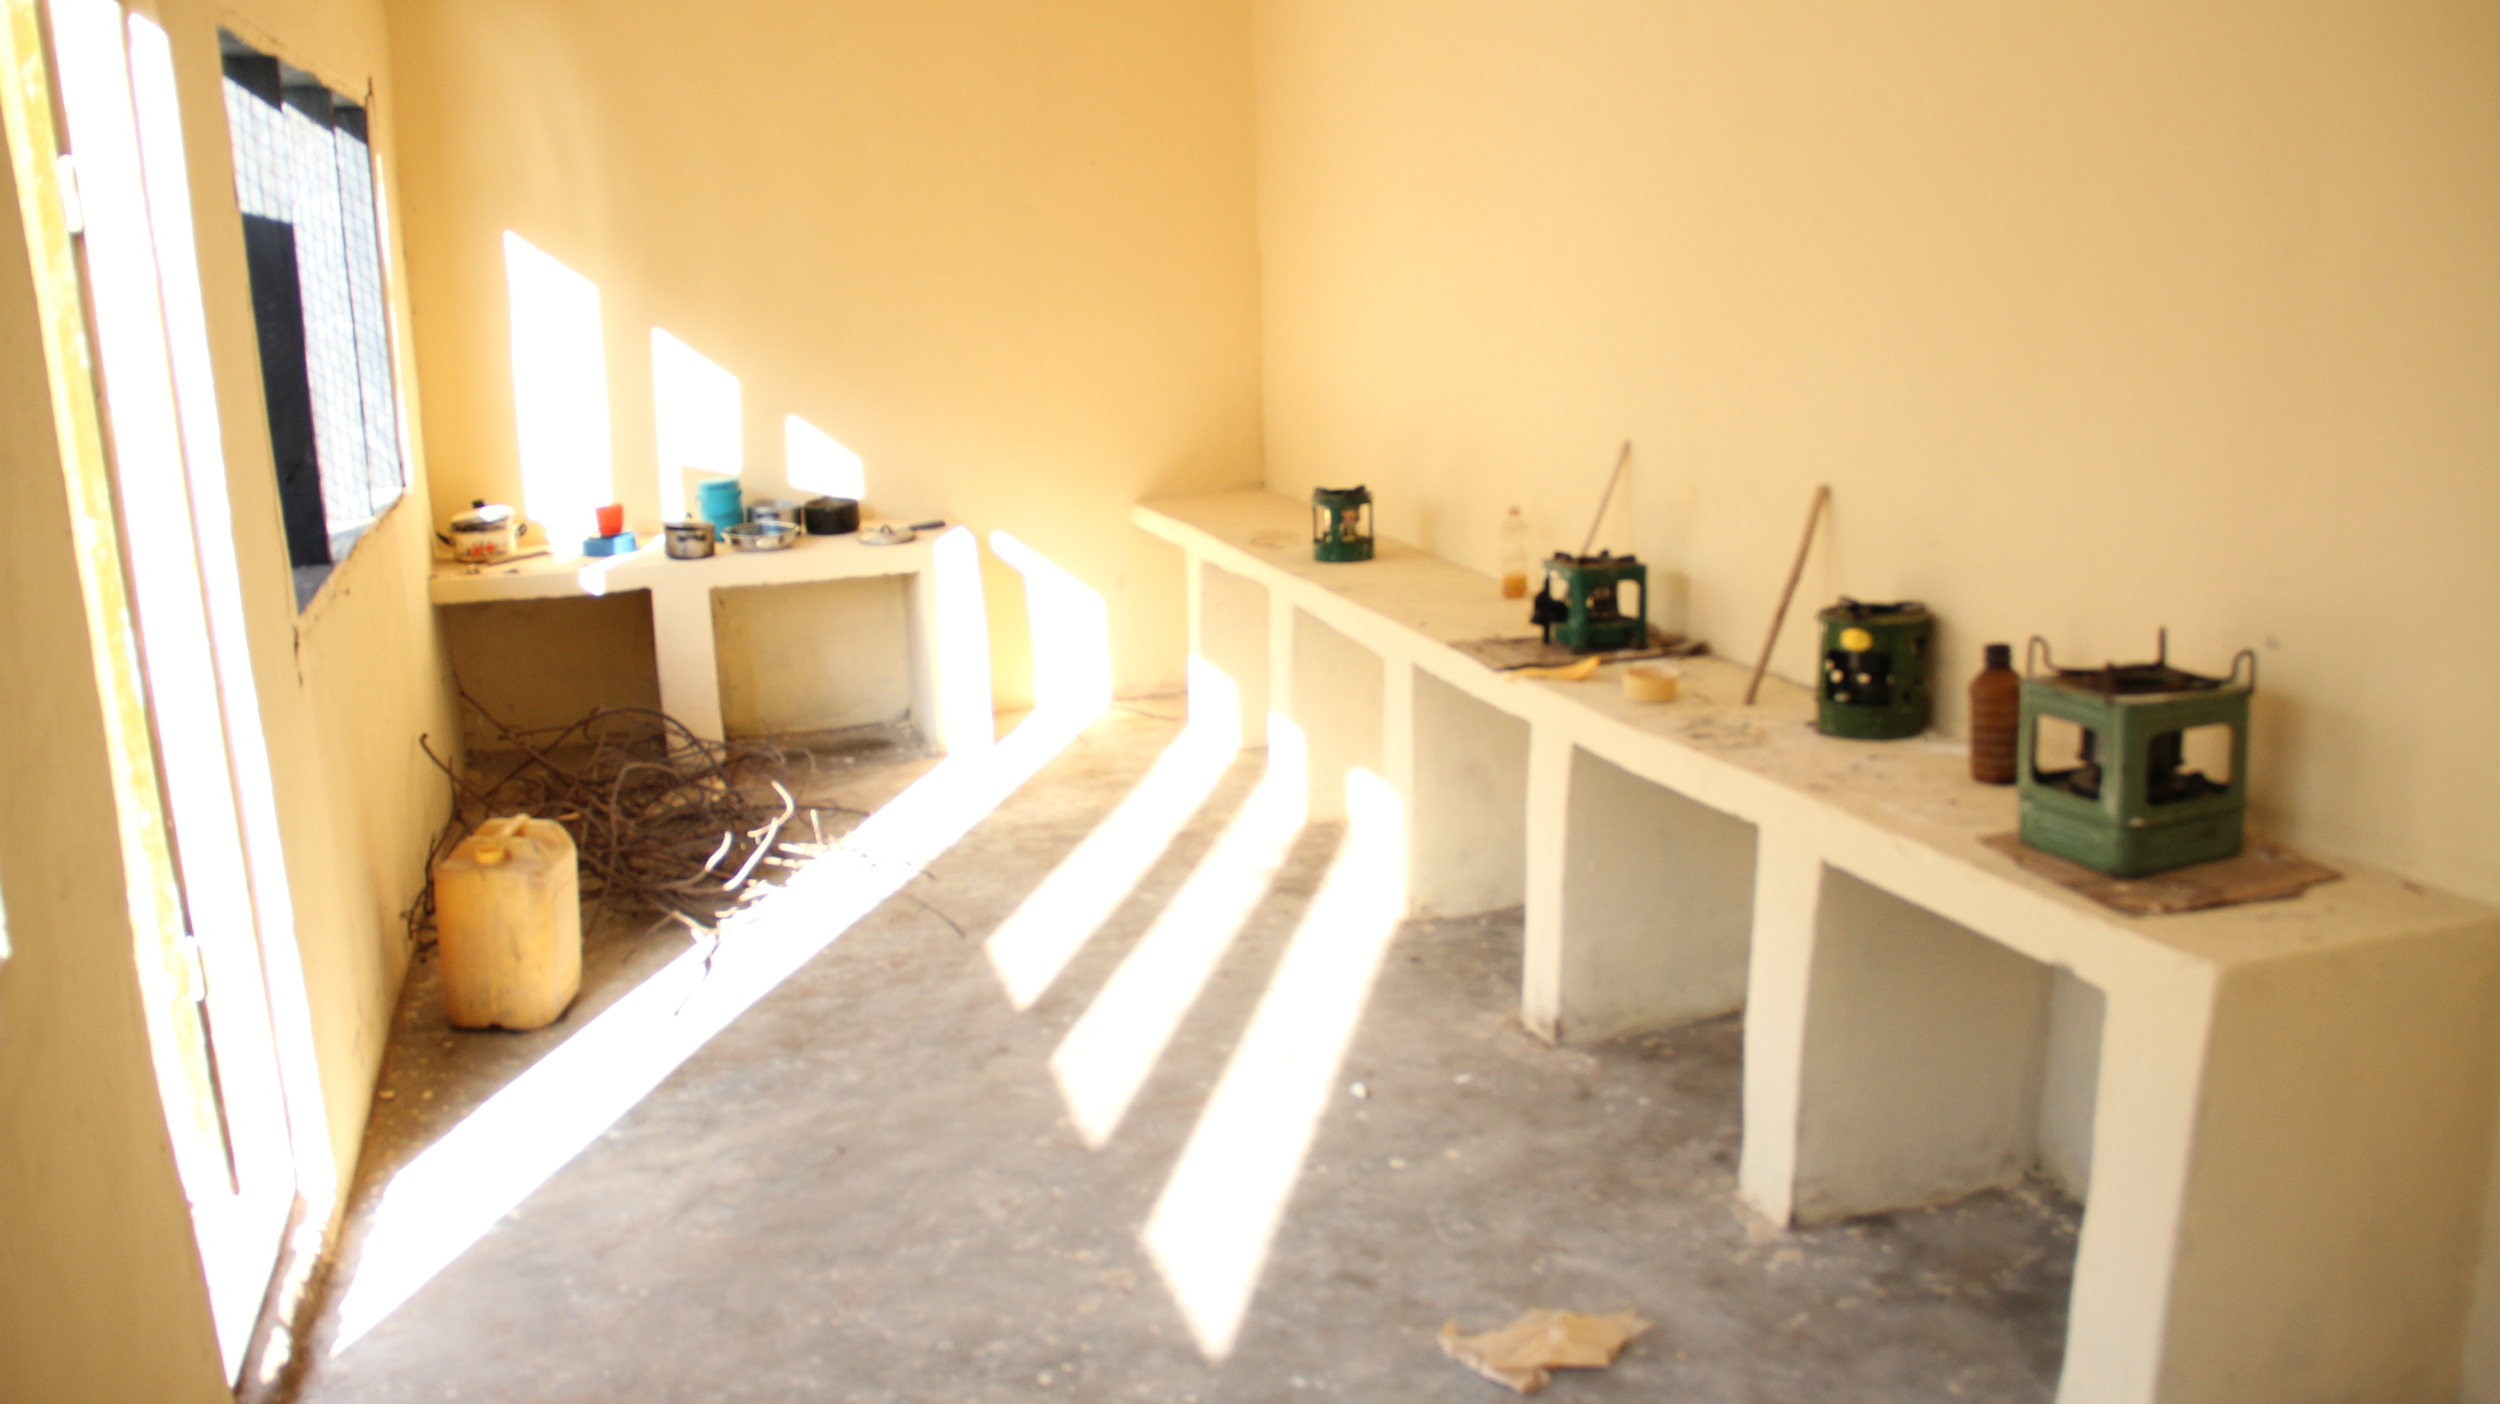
x,y
2134,768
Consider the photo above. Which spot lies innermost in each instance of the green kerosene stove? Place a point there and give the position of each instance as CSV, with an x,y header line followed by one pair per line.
x,y
1593,604
1873,680
1341,524
2104,755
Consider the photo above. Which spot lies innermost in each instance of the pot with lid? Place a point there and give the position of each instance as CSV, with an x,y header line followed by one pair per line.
x,y
487,533
689,540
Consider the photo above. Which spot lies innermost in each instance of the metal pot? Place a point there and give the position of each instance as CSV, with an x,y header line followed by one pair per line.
x,y
829,516
689,540
774,509
488,533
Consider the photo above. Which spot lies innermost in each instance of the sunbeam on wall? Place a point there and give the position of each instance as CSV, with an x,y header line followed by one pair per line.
x,y
1211,1229
1049,927
817,464
1071,631
696,425
559,392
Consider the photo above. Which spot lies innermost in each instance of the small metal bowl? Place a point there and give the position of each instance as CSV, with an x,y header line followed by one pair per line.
x,y
762,536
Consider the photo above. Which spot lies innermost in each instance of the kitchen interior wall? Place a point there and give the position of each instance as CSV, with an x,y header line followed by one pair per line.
x,y
2096,321
825,656
531,664
349,685
1002,252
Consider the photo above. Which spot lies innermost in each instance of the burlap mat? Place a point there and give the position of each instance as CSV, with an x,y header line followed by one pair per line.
x,y
2263,872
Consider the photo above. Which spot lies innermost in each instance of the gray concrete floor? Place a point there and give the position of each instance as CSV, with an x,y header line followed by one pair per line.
x,y
867,1188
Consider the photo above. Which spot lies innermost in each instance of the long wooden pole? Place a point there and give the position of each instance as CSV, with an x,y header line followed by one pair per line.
x,y
1814,511
1608,497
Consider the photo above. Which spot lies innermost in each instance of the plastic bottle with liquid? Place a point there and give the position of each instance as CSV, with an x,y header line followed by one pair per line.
x,y
1514,555
508,910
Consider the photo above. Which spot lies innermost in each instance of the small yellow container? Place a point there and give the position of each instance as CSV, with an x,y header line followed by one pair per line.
x,y
1651,682
508,909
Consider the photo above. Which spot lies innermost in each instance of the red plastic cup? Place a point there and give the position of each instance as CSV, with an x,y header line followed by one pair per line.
x,y
612,519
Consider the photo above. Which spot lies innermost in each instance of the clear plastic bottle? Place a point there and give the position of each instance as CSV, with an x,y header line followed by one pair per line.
x,y
1514,555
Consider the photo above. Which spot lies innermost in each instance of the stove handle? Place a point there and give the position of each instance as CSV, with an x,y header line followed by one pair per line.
x,y
2251,655
2036,653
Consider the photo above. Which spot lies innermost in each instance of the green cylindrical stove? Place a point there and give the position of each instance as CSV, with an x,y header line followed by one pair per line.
x,y
1872,685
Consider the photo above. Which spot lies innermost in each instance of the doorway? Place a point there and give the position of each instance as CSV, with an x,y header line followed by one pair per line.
x,y
106,201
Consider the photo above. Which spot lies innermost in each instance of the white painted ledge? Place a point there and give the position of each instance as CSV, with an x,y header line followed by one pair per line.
x,y
950,642
2294,1100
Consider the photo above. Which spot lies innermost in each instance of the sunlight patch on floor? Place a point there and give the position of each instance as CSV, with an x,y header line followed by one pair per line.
x,y
1044,933
446,1198
1113,1047
1210,1231
455,1190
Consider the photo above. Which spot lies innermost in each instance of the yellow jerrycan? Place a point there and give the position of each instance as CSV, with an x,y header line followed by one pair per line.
x,y
508,912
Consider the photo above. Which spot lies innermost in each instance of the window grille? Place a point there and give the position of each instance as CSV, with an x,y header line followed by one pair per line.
x,y
312,236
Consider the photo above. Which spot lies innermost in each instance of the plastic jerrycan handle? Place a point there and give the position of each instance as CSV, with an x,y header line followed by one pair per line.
x,y
497,834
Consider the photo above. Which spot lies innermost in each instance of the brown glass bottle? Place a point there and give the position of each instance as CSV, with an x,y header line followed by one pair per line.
x,y
1996,706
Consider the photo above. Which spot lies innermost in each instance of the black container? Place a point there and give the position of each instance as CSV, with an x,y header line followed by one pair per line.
x,y
829,516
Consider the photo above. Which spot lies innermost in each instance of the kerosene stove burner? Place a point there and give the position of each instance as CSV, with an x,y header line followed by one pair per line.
x,y
1591,604
2129,803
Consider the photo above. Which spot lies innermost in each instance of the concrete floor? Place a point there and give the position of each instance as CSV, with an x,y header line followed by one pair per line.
x,y
868,1187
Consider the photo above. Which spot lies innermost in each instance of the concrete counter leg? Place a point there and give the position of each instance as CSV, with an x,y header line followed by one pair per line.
x,y
1640,901
1228,626
1465,780
2327,1220
681,636
1921,1069
1337,690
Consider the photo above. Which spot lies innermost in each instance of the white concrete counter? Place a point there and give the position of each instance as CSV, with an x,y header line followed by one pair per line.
x,y
2290,1117
950,642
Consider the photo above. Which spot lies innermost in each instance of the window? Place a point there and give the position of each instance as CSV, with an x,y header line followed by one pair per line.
x,y
303,174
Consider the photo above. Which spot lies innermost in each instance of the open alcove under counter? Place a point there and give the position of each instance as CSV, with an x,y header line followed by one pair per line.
x,y
2290,1103
909,617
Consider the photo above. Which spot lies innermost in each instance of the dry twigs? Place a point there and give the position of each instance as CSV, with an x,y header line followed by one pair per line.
x,y
657,813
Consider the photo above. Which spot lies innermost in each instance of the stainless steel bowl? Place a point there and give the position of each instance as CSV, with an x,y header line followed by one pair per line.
x,y
763,536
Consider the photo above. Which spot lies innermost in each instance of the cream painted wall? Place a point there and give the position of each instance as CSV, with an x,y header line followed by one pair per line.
x,y
100,1293
2096,319
538,663
1002,251
347,687
821,656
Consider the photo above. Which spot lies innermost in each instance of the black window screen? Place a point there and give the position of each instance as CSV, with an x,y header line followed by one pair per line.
x,y
304,177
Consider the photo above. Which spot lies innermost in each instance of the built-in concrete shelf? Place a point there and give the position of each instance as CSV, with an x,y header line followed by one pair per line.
x,y
949,661
2291,1106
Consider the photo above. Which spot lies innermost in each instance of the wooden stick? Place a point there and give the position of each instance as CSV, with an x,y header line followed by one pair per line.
x,y
1822,494
1609,496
